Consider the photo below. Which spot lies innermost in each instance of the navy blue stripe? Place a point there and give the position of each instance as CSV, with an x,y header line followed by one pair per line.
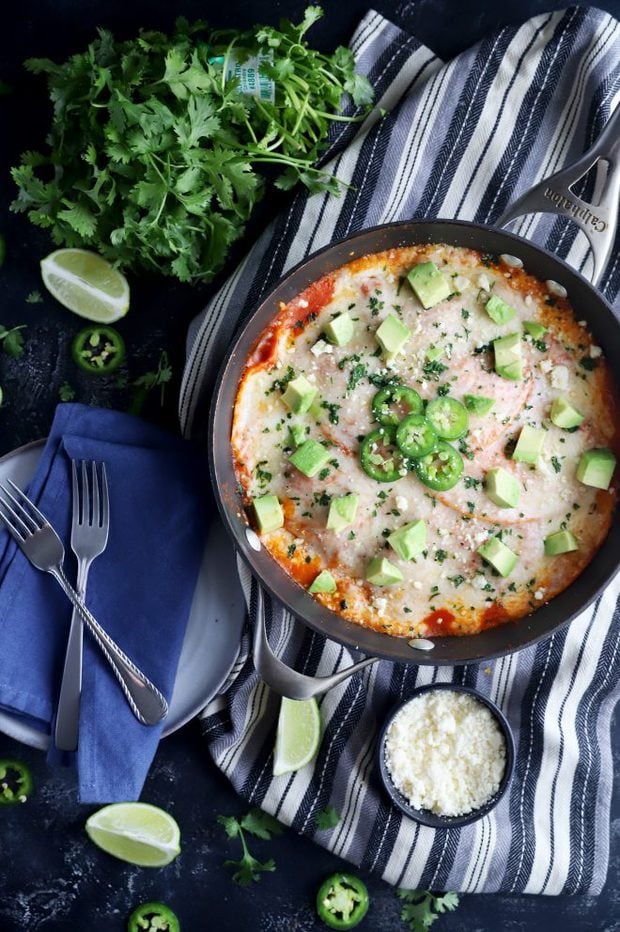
x,y
584,797
458,134
418,139
528,761
554,784
531,114
500,112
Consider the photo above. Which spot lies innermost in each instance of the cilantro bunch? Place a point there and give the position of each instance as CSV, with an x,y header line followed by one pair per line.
x,y
156,157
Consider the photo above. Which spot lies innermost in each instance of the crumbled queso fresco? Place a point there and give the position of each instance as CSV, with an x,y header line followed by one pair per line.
x,y
445,752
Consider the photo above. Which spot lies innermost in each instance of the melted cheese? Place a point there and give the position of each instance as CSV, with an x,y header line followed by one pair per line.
x,y
447,590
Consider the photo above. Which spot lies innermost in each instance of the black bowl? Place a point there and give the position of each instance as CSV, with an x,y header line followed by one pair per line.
x,y
425,816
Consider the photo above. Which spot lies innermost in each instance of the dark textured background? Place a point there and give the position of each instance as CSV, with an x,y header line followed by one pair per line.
x,y
51,877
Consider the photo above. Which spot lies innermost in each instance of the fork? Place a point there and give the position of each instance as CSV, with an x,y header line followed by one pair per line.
x,y
43,547
89,537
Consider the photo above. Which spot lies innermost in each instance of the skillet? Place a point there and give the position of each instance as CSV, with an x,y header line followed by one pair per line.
x,y
598,220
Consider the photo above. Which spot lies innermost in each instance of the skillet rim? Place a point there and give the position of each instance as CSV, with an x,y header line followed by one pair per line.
x,y
512,636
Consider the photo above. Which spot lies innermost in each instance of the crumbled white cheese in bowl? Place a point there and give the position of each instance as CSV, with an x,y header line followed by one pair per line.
x,y
446,755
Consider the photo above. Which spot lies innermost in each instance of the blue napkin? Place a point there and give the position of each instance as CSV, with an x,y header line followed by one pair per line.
x,y
140,589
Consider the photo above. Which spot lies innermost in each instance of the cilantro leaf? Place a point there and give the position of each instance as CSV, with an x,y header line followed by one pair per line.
x,y
66,392
260,824
327,818
230,824
248,870
12,340
144,384
422,908
34,297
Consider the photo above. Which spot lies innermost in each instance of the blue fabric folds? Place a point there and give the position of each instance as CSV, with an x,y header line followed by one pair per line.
x,y
140,589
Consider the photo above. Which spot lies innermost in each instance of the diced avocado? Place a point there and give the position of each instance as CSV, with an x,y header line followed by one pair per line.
x,y
380,572
429,285
315,409
478,404
433,352
297,434
596,468
498,310
529,445
498,555
392,335
502,488
310,457
324,582
269,514
299,394
409,540
535,330
560,542
564,415
340,330
508,361
342,512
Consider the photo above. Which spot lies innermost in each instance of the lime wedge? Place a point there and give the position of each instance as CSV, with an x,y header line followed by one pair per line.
x,y
136,832
86,284
298,736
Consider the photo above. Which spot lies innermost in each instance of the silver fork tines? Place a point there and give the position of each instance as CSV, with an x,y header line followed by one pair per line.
x,y
43,547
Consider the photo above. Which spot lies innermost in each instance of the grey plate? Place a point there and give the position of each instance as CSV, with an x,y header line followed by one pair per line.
x,y
213,630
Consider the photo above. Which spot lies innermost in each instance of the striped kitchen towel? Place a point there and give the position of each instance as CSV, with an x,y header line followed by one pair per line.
x,y
460,139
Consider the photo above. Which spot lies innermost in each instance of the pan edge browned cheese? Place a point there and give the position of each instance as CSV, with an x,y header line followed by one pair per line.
x,y
426,441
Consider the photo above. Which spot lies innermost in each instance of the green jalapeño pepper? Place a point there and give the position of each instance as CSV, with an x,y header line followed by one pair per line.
x,y
342,901
449,417
98,350
380,457
153,917
15,782
441,469
406,401
415,436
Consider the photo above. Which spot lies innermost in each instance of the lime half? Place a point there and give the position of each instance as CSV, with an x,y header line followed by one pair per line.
x,y
136,832
86,284
298,736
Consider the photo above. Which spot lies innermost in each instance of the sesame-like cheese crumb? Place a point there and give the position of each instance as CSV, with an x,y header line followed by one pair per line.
x,y
559,377
445,752
320,347
595,352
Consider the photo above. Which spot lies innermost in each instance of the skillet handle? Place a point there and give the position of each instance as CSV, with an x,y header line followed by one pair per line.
x,y
598,219
282,678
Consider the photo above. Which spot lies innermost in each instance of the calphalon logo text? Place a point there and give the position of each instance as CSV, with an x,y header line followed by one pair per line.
x,y
583,213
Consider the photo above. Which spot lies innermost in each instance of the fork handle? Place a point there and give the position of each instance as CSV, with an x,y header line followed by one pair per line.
x,y
145,700
68,712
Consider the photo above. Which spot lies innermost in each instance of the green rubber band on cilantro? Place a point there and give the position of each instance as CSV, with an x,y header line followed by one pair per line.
x,y
153,917
15,782
415,436
399,395
441,469
342,901
449,417
380,458
98,350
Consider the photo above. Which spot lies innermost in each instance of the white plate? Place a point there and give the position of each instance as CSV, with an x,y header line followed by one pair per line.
x,y
213,629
